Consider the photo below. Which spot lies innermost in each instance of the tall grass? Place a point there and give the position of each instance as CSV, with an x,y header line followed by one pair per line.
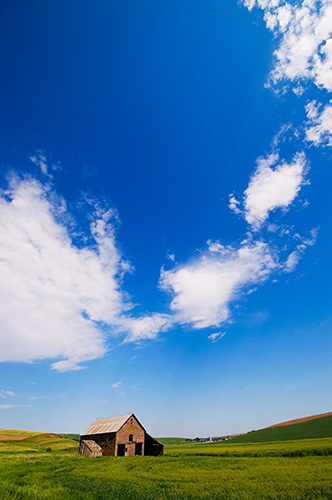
x,y
292,470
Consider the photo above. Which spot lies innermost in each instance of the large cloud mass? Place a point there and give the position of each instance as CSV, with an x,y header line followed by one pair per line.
x,y
53,294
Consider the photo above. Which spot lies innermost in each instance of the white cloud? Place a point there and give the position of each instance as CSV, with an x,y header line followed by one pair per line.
x,y
304,29
273,185
4,393
292,261
8,406
36,398
40,160
116,385
53,295
215,337
145,327
319,124
203,290
295,256
234,204
171,256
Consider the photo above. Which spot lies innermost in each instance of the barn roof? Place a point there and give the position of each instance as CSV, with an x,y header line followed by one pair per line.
x,y
104,425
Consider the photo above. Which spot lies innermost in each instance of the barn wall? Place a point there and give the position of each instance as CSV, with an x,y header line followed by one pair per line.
x,y
132,426
105,441
152,446
89,449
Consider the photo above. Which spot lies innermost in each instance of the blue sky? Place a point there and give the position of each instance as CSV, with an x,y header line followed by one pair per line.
x,y
165,242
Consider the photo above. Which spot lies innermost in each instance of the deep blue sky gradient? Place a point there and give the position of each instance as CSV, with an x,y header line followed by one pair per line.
x,y
161,109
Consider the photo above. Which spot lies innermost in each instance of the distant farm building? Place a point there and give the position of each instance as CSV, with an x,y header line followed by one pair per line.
x,y
118,436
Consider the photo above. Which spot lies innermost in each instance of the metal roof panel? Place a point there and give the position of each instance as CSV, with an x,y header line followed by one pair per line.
x,y
105,425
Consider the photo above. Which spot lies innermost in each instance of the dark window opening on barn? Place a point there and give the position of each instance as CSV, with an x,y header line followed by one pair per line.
x,y
131,421
121,450
131,436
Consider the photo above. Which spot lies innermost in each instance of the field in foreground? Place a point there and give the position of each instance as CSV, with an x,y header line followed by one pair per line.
x,y
47,467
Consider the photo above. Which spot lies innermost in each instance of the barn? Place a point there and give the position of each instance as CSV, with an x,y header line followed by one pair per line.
x,y
118,437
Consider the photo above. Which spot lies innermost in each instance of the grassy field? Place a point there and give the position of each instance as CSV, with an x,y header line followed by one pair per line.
x,y
46,466
171,440
14,432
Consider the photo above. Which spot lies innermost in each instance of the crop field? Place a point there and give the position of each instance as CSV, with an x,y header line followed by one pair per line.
x,y
46,466
319,428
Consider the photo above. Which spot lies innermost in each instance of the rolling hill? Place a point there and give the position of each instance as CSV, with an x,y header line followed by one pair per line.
x,y
307,428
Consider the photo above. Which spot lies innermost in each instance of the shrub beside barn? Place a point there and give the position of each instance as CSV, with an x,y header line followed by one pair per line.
x,y
118,436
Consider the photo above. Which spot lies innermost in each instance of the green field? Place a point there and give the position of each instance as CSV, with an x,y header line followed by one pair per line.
x,y
47,466
168,441
318,428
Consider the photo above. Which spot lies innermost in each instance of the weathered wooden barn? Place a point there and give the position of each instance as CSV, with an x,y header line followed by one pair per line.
x,y
118,436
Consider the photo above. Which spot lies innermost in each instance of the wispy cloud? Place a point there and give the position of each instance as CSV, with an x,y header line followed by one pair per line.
x,y
36,398
116,385
9,406
255,386
215,337
295,256
5,393
39,158
319,125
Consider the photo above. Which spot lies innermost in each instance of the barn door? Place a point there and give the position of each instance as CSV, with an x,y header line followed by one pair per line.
x,y
138,448
121,450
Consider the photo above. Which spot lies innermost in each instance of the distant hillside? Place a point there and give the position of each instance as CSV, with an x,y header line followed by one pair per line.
x,y
319,427
300,420
176,440
74,437
26,441
18,433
